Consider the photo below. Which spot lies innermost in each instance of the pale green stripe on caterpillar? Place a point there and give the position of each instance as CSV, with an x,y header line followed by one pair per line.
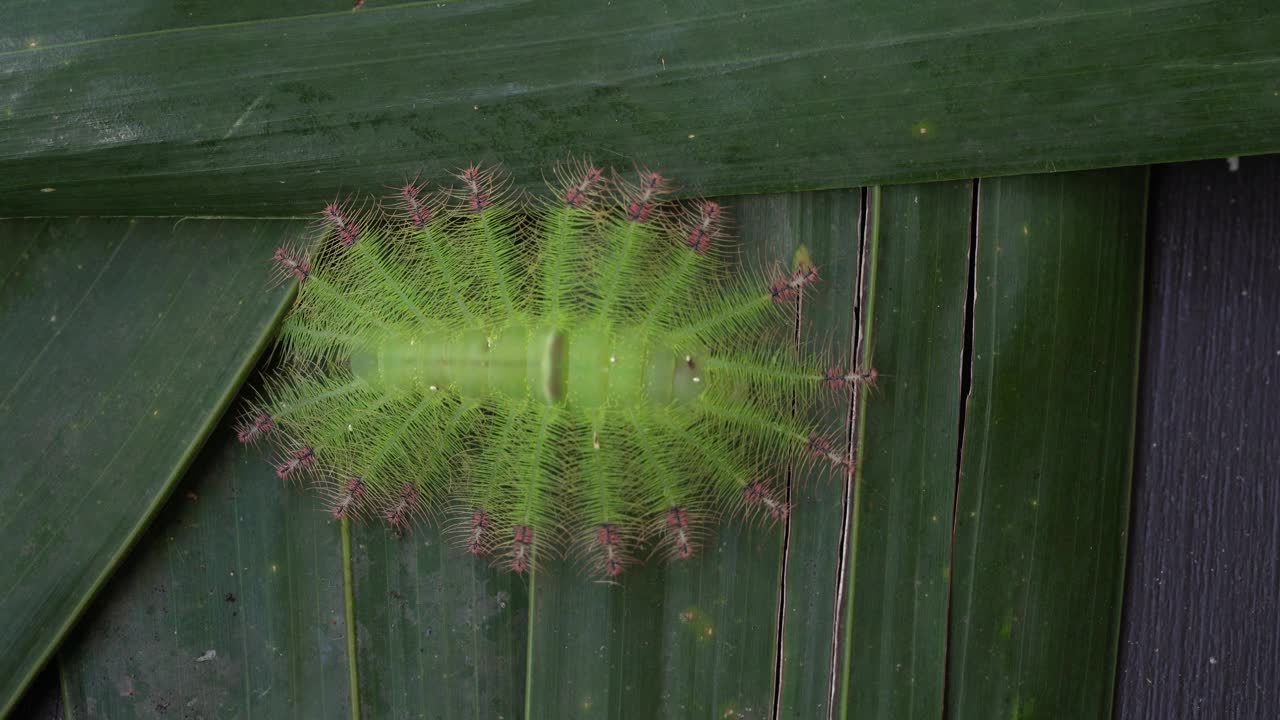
x,y
575,373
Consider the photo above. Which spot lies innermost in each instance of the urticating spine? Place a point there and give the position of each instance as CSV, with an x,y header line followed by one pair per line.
x,y
574,374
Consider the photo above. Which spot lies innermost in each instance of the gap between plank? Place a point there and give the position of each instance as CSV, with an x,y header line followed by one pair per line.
x,y
780,639
966,383
839,653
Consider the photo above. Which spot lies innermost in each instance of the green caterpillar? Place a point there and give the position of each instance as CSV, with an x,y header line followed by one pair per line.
x,y
566,375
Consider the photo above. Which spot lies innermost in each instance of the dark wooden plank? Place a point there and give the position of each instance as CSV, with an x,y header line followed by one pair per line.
x,y
1201,634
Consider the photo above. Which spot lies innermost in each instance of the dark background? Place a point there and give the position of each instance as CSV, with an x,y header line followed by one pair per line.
x,y
1200,637
1201,629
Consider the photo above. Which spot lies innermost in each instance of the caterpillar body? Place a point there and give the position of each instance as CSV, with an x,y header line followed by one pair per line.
x,y
577,374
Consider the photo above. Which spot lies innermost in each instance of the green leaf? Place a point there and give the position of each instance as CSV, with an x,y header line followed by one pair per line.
x,y
232,605
439,633
913,334
240,107
1044,485
125,340
828,223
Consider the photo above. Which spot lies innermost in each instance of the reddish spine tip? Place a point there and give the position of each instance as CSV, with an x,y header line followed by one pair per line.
x,y
477,199
698,240
786,287
703,232
609,543
757,494
348,232
480,521
678,532
639,212
607,534
261,425
818,446
398,514
834,378
640,208
294,264
577,194
301,459
781,290
419,214
350,496
821,448
804,275
677,517
521,548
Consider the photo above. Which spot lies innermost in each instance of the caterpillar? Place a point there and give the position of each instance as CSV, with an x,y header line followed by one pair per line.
x,y
577,374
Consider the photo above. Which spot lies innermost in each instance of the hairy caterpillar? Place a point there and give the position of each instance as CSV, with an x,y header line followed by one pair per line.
x,y
559,375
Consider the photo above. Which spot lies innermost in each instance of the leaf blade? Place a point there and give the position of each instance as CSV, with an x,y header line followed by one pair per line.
x,y
1039,563
239,111
238,565
79,407
913,334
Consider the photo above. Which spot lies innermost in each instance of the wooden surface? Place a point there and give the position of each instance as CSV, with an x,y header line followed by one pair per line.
x,y
1201,630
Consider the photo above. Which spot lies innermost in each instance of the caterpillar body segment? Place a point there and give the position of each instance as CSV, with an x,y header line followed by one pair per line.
x,y
571,375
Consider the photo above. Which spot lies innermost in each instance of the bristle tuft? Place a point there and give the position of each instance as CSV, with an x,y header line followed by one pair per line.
x,y
760,501
583,187
835,378
347,502
678,533
403,507
699,235
610,550
251,430
824,449
342,223
292,262
477,535
298,460
412,205
785,288
642,198
520,554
